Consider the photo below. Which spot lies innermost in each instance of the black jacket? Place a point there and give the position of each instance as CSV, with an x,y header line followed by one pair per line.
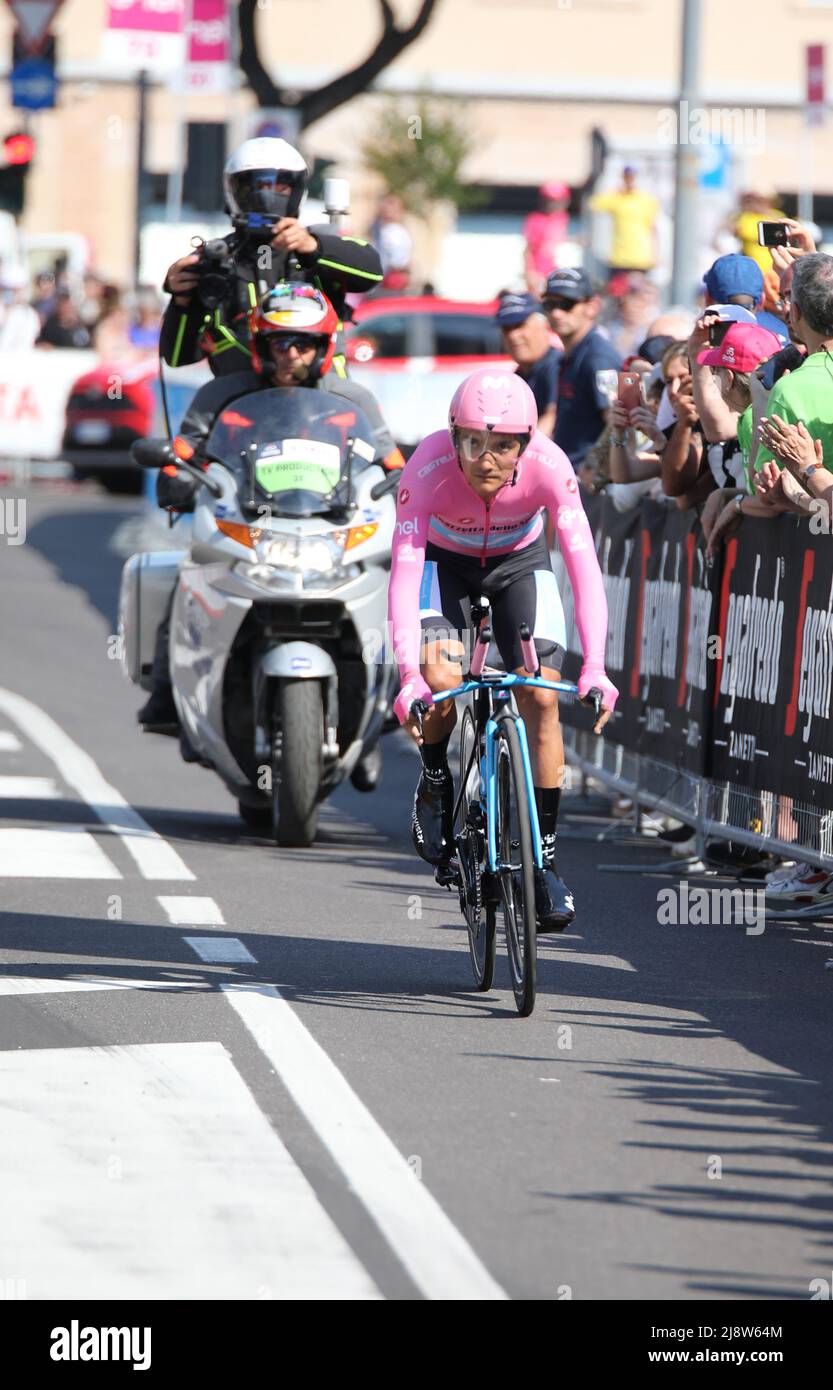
x,y
339,266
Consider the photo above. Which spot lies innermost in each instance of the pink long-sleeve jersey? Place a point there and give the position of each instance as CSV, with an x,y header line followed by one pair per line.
x,y
436,504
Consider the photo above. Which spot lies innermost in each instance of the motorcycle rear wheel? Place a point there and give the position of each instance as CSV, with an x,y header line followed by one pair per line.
x,y
297,764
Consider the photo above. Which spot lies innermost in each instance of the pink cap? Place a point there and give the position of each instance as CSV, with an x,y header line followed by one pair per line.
x,y
554,190
745,346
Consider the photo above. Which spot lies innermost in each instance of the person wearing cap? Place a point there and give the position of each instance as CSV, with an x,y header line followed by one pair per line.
x,y
630,309
721,384
634,244
544,231
582,407
738,280
528,341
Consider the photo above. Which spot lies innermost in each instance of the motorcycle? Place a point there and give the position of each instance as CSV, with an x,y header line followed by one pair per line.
x,y
278,658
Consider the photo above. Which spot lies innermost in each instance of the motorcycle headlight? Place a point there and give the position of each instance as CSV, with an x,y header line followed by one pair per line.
x,y
307,554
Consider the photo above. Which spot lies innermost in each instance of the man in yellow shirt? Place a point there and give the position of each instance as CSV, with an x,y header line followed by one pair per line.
x,y
754,208
634,245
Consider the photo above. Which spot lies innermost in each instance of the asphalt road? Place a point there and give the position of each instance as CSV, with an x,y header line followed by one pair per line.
x,y
237,1072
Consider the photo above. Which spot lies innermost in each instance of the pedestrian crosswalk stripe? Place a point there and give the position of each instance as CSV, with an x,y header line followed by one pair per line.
x,y
192,912
9,742
436,1256
150,1171
67,852
219,950
53,984
28,788
155,858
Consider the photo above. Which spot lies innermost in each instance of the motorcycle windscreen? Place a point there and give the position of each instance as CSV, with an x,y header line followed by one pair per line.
x,y
290,446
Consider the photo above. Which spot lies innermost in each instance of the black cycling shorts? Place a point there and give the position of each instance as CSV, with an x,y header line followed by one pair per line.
x,y
520,587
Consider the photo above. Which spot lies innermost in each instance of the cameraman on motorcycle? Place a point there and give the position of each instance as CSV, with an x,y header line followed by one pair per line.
x,y
292,335
215,289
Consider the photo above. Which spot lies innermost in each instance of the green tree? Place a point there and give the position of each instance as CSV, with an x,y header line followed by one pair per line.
x,y
419,150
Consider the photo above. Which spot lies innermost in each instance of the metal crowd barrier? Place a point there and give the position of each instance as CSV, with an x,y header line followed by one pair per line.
x,y
715,810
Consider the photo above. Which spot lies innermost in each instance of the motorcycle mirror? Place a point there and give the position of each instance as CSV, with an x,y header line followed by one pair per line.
x,y
388,484
152,453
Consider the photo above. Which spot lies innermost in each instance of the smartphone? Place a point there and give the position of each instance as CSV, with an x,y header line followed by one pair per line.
x,y
773,234
787,359
629,390
718,328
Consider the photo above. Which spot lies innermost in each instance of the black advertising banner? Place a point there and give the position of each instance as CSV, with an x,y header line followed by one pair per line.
x,y
774,670
660,596
669,671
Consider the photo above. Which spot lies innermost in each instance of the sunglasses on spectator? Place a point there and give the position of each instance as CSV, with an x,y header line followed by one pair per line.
x,y
565,305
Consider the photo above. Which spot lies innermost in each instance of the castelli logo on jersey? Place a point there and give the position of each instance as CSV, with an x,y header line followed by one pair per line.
x,y
404,496
572,485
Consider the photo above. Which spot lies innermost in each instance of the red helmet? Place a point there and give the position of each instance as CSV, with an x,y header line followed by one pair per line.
x,y
294,309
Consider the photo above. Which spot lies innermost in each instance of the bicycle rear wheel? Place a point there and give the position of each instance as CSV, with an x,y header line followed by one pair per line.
x,y
516,864
480,917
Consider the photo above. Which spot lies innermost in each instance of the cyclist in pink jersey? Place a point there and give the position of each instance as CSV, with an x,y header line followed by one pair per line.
x,y
470,523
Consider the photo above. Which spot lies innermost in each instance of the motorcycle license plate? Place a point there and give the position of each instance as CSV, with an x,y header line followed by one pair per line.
x,y
93,431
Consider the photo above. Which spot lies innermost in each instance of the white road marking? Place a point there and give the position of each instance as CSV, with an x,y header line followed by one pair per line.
x,y
31,984
9,742
219,950
591,958
151,1172
28,788
439,1260
153,855
192,912
68,852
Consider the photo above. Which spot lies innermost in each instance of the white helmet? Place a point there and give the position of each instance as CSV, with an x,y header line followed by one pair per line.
x,y
253,173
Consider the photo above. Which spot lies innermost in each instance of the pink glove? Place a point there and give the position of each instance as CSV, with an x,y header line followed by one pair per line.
x,y
594,676
413,688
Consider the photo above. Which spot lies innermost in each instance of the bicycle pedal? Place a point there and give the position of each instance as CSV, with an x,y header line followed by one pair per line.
x,y
447,875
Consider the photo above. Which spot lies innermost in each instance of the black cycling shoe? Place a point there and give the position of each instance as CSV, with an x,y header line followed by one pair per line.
x,y
431,828
554,907
158,714
367,774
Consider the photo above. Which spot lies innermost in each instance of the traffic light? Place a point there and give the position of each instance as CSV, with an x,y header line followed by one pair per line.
x,y
17,154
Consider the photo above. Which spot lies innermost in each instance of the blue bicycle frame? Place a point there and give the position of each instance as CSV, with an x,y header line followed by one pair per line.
x,y
502,684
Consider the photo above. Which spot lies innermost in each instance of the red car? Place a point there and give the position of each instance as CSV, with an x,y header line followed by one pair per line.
x,y
107,409
413,352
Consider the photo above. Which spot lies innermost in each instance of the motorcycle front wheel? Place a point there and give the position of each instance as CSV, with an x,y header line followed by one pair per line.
x,y
297,763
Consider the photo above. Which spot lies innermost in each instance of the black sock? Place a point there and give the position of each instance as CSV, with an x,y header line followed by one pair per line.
x,y
435,757
547,800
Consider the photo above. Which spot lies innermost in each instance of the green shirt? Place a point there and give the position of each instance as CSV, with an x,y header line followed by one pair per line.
x,y
745,442
805,395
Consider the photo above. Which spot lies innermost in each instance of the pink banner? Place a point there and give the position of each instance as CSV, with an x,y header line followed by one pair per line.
x,y
155,16
208,36
815,112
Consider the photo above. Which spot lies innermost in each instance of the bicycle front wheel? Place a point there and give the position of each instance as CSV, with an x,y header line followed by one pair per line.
x,y
480,917
516,864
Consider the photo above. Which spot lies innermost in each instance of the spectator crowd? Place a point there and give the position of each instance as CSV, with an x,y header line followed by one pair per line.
x,y
58,310
726,407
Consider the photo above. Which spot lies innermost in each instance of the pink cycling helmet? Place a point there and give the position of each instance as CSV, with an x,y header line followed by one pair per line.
x,y
494,399
554,191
